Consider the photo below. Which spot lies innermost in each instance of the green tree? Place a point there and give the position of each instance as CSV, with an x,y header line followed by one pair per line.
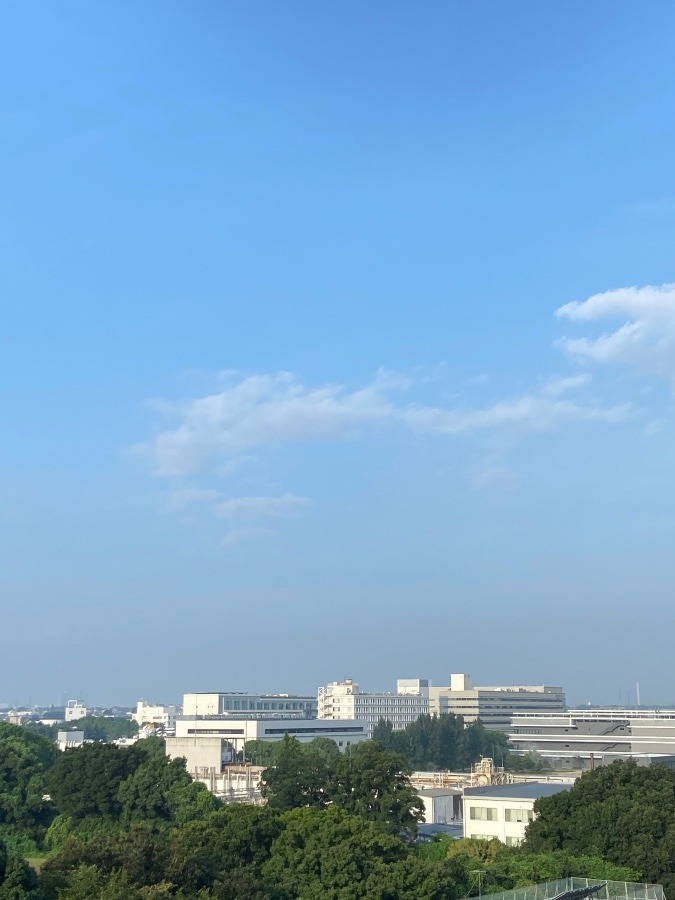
x,y
17,880
225,853
298,778
623,812
25,760
85,781
160,788
443,742
372,782
337,856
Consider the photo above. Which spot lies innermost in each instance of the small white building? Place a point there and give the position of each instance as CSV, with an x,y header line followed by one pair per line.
x,y
346,700
504,811
156,715
68,740
441,805
75,710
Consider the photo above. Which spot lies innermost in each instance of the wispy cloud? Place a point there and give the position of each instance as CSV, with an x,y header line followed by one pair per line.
x,y
530,412
259,508
262,410
646,341
207,438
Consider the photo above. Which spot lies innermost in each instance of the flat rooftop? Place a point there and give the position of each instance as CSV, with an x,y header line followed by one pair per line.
x,y
528,790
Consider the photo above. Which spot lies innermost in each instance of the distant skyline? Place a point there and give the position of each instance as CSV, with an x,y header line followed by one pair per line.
x,y
336,340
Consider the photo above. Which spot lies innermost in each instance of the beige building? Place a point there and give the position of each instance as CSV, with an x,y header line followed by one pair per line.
x,y
494,705
504,811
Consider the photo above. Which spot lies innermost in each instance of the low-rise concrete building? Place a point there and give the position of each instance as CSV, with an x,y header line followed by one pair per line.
x,y
504,811
69,740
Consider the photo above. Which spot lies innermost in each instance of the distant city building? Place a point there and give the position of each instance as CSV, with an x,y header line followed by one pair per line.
x,y
504,811
586,738
494,705
345,700
156,716
68,740
240,705
209,743
75,710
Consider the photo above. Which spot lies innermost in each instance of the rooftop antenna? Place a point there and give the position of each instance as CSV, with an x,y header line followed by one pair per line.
x,y
637,694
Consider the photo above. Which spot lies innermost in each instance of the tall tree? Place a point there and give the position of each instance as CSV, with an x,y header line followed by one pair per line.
x,y
373,783
85,781
297,779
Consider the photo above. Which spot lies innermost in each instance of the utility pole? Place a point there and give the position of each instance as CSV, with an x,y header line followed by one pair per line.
x,y
479,873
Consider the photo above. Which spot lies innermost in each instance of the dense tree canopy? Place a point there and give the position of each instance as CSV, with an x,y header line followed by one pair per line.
x,y
624,813
25,759
85,781
367,780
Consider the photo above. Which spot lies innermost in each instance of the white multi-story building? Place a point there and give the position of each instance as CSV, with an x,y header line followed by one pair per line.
x,y
74,711
156,716
494,705
345,700
504,811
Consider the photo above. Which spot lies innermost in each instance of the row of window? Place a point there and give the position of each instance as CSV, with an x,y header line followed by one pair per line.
x,y
262,705
491,814
510,841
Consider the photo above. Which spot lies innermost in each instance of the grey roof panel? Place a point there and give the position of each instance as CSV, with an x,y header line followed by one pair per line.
x,y
528,790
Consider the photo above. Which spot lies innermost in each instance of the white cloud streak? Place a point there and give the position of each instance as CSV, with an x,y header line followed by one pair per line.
x,y
529,412
262,410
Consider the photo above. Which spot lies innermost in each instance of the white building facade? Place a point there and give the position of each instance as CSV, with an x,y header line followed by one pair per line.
x,y
154,715
345,700
504,811
74,711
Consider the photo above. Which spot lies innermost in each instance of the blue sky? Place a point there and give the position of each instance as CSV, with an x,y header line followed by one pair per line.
x,y
337,339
